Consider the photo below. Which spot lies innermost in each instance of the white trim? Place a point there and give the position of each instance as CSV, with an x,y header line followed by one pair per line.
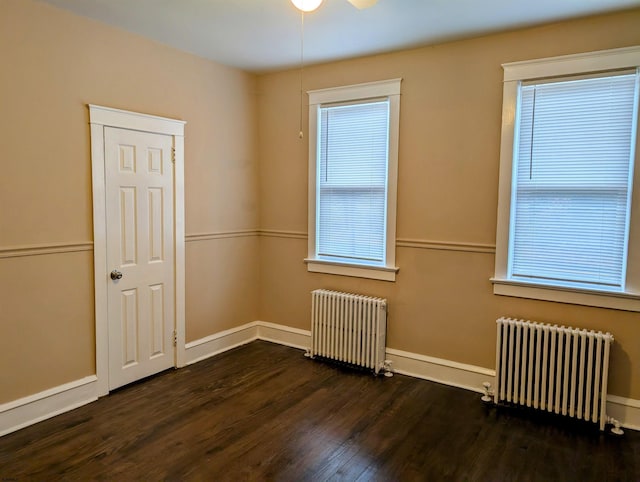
x,y
284,335
392,175
217,343
49,403
100,257
46,404
389,89
382,273
514,74
460,375
366,90
624,410
179,243
99,118
220,342
447,372
573,64
616,301
107,116
505,178
434,369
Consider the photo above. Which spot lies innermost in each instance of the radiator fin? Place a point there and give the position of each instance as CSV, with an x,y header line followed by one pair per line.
x,y
348,328
558,369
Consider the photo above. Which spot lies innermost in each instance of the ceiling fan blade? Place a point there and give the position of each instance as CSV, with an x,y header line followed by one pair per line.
x,y
363,3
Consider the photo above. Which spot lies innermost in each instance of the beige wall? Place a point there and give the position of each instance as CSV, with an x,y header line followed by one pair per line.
x,y
442,303
53,64
246,169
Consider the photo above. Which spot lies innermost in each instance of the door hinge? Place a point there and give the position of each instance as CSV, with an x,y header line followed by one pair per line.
x,y
173,155
175,338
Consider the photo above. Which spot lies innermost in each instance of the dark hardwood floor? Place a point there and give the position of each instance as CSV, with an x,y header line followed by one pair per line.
x,y
264,412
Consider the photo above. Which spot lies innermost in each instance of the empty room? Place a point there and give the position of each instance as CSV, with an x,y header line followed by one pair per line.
x,y
319,240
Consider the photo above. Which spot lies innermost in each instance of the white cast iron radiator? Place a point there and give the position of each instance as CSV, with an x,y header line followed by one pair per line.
x,y
349,328
561,370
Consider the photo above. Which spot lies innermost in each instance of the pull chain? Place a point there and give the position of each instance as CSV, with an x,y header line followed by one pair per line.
x,y
300,134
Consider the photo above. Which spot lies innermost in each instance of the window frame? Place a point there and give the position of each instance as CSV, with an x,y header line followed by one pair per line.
x,y
516,73
358,93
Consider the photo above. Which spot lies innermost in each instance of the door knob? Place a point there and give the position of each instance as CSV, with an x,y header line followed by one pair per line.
x,y
116,275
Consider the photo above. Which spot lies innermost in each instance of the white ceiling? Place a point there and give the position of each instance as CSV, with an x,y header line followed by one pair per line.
x,y
262,35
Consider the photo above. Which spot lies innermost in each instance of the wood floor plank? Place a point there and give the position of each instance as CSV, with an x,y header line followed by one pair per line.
x,y
264,412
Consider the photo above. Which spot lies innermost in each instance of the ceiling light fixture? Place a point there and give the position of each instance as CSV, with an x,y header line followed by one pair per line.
x,y
363,3
306,5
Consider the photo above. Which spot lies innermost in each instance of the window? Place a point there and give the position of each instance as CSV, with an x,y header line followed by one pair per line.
x,y
353,157
566,184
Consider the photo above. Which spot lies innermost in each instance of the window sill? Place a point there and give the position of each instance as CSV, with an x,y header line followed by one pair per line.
x,y
359,271
601,299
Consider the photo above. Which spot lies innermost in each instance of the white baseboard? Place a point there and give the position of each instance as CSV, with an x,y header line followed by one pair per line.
x,y
212,345
428,368
284,335
419,366
470,377
40,406
460,375
624,410
209,346
26,411
447,372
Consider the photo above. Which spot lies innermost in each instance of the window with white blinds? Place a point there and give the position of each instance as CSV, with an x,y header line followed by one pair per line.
x,y
568,225
352,182
573,170
353,165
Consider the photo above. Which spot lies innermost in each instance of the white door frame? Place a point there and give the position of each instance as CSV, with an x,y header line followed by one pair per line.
x,y
99,118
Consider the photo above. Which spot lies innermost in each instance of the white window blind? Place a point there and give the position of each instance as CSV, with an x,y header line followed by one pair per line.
x,y
574,150
352,182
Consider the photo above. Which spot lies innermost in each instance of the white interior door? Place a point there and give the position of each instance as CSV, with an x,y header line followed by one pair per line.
x,y
139,177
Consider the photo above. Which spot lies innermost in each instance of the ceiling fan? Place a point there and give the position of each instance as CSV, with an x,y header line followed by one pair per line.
x,y
311,5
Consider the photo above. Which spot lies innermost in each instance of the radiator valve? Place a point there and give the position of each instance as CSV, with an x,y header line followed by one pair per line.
x,y
616,426
487,392
388,371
